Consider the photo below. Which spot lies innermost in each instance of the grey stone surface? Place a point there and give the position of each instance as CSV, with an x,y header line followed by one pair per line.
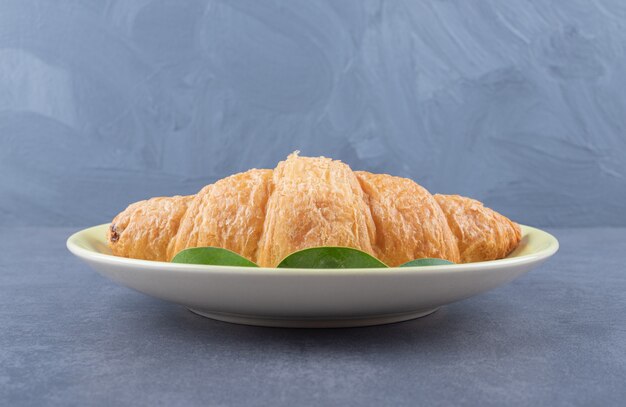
x,y
556,336
519,104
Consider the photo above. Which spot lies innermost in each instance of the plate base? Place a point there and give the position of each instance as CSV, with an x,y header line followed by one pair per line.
x,y
314,323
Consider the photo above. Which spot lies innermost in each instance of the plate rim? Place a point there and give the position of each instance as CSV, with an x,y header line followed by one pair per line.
x,y
89,255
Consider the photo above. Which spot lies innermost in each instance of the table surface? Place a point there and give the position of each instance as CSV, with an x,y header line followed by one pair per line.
x,y
556,336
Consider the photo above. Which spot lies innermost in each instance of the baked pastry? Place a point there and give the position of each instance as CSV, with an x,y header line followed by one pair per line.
x,y
265,215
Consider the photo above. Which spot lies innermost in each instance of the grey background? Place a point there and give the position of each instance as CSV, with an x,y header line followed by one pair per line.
x,y
519,104
554,337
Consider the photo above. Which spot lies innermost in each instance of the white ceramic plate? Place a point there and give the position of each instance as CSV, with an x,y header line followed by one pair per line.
x,y
311,297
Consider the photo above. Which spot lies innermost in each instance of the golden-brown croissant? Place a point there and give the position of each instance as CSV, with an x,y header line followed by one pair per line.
x,y
264,215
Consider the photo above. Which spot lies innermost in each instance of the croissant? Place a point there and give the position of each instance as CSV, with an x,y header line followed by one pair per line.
x,y
264,215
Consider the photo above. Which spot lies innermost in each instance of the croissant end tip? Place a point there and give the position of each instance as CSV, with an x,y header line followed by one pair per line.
x,y
113,235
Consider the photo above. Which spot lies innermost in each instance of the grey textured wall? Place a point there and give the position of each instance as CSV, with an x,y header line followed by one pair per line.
x,y
519,104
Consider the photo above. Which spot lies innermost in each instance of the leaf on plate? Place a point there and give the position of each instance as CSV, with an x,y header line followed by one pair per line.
x,y
426,262
215,256
330,258
311,258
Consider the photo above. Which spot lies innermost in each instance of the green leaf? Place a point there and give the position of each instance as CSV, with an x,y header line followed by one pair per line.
x,y
215,256
330,258
311,258
426,262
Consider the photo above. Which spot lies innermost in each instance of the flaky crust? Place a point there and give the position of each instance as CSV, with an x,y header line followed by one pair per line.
x,y
228,214
146,229
481,233
315,202
409,222
265,215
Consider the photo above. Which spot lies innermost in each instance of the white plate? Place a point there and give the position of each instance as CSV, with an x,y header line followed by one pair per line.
x,y
311,297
